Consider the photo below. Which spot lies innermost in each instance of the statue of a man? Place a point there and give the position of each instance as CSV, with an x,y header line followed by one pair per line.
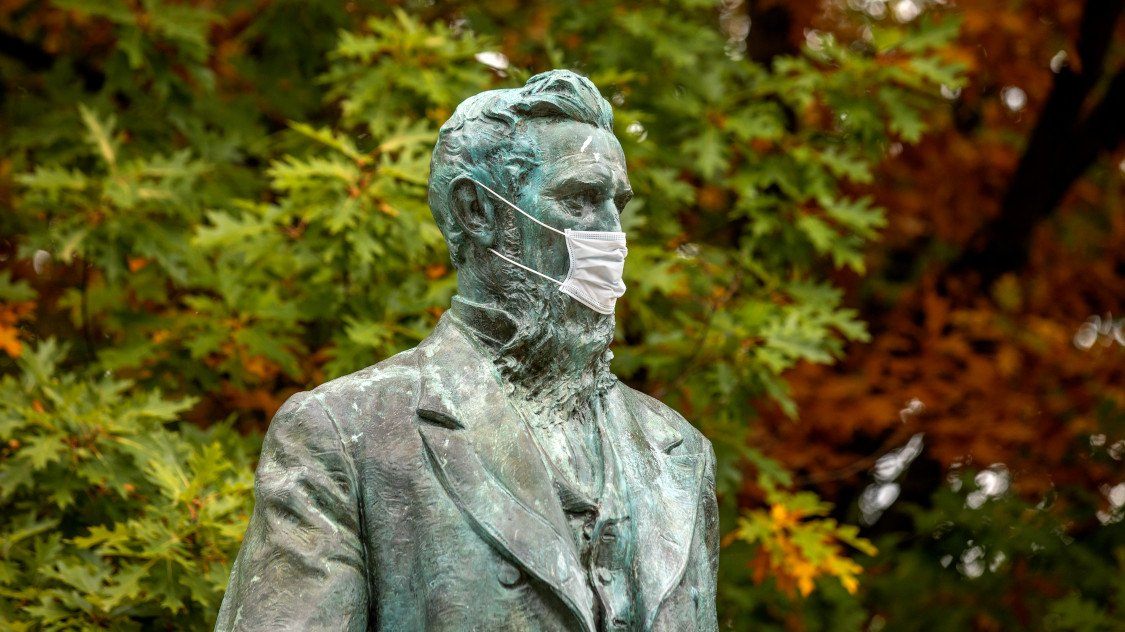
x,y
497,476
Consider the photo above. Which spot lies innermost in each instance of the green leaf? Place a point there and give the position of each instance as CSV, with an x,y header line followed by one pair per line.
x,y
708,153
100,134
903,118
42,450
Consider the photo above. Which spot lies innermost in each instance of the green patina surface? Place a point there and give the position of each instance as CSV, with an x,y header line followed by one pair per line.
x,y
497,476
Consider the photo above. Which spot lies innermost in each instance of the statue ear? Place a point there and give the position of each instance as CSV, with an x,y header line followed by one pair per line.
x,y
473,211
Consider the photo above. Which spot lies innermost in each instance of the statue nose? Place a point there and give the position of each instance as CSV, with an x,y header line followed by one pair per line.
x,y
607,218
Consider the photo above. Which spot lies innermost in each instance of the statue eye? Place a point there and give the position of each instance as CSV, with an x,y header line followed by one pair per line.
x,y
581,201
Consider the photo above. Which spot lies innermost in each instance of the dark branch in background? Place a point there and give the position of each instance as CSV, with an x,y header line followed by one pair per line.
x,y
1062,146
769,32
35,58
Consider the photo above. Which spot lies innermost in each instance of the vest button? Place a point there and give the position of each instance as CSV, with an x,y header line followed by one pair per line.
x,y
603,576
509,575
609,533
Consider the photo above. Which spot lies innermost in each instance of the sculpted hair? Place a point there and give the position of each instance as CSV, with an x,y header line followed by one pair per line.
x,y
481,139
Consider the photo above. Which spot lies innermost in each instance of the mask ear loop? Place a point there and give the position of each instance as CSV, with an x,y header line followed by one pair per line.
x,y
525,213
528,216
520,265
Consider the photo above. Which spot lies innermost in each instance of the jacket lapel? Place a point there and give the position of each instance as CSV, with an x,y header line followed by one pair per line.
x,y
487,461
664,488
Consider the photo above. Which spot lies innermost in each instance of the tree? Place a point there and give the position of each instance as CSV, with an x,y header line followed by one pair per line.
x,y
1019,380
1070,134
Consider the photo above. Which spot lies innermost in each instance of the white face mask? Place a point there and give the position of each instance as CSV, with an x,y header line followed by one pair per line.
x,y
597,261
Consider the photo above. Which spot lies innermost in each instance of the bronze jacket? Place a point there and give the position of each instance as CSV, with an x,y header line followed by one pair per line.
x,y
410,496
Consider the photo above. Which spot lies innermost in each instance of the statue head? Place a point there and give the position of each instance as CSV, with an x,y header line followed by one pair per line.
x,y
549,149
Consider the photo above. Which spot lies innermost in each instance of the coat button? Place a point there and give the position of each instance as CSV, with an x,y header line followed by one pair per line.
x,y
509,575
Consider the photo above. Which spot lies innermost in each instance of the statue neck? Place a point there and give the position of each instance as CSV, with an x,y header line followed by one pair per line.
x,y
540,362
488,325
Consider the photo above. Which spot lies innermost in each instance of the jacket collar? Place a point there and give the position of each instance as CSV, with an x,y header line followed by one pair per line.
x,y
665,484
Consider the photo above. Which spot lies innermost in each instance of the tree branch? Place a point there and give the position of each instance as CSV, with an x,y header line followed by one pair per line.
x,y
768,36
1061,148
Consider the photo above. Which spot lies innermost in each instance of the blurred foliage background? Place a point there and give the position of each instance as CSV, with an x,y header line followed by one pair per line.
x,y
875,255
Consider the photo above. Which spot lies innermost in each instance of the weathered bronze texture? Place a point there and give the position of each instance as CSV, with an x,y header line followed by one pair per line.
x,y
498,476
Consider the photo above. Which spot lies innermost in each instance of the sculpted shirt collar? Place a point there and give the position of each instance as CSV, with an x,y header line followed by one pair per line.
x,y
492,326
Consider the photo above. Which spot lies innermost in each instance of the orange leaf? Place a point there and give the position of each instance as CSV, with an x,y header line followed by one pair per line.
x,y
9,341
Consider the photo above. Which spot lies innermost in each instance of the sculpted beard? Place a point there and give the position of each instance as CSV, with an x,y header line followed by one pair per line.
x,y
559,357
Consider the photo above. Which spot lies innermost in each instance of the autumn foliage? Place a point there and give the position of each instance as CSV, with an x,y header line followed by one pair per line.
x,y
876,254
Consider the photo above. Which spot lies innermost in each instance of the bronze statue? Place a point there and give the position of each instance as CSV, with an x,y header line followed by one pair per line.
x,y
497,476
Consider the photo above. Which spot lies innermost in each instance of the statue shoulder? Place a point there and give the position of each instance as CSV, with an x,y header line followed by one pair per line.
x,y
657,416
392,374
375,393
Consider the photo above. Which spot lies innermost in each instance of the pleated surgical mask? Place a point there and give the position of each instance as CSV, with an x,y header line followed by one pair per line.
x,y
597,263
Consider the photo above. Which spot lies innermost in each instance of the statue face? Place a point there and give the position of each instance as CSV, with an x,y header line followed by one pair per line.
x,y
581,184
